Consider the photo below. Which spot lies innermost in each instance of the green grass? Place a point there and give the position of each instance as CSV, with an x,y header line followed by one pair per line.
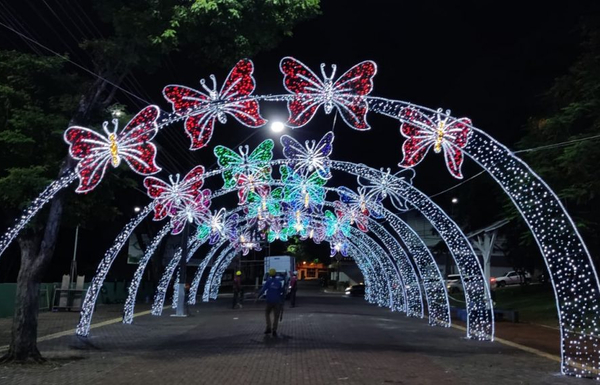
x,y
535,303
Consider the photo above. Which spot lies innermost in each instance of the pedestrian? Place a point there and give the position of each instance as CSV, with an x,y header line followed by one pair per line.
x,y
274,289
293,288
238,293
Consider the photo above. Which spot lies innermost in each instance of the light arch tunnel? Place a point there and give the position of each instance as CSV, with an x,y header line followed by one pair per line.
x,y
409,297
572,272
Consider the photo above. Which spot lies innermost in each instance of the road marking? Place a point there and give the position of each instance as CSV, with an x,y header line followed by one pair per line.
x,y
537,352
93,326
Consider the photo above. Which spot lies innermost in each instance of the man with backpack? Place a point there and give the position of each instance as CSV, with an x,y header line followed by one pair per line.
x,y
275,295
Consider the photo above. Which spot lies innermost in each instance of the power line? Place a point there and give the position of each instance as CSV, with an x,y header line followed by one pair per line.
x,y
72,62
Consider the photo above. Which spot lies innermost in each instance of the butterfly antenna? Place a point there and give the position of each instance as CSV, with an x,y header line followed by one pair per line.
x,y
105,128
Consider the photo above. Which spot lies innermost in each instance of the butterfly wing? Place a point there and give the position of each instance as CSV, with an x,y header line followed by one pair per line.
x,y
193,182
227,158
298,79
93,152
200,123
324,149
156,189
349,91
457,135
240,85
134,141
420,131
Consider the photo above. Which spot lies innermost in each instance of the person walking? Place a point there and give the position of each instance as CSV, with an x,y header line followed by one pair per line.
x,y
293,287
275,296
238,293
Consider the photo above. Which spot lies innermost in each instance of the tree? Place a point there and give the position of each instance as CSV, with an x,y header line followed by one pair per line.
x,y
140,33
571,115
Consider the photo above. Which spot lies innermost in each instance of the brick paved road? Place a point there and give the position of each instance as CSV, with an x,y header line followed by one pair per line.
x,y
327,339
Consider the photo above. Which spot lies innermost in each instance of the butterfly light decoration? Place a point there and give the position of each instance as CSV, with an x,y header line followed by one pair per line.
x,y
352,214
316,232
298,219
221,226
245,165
336,224
338,244
347,93
310,157
177,193
246,242
388,185
196,212
202,109
360,201
277,231
95,152
439,131
306,191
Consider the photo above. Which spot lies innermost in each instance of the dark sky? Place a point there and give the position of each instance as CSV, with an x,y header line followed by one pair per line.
x,y
489,61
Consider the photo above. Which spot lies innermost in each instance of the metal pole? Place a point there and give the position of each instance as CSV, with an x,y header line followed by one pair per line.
x,y
73,271
181,311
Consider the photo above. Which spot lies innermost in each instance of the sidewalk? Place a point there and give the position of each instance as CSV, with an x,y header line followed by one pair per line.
x,y
325,339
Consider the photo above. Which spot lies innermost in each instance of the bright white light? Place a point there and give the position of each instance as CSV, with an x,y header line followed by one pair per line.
x,y
455,200
277,127
136,209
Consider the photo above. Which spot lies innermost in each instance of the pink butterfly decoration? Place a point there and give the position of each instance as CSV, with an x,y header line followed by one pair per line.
x,y
442,133
95,151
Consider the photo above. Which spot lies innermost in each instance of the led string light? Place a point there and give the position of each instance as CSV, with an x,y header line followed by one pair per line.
x,y
429,273
169,276
34,207
129,307
480,321
87,308
565,253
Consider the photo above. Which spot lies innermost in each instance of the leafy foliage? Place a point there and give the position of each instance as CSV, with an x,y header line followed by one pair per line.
x,y
572,115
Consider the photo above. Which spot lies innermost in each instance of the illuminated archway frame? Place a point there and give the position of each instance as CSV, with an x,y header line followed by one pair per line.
x,y
572,273
433,300
396,300
395,279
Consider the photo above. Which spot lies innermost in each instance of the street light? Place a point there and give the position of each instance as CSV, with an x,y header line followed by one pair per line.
x,y
454,200
137,209
277,126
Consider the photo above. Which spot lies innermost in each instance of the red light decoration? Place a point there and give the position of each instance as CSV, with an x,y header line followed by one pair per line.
x,y
203,109
95,151
169,196
346,93
441,133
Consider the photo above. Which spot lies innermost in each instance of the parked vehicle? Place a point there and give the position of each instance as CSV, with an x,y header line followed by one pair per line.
x,y
513,278
454,284
284,265
355,290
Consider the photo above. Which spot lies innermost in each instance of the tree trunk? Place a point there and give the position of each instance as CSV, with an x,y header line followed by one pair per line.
x,y
23,347
36,255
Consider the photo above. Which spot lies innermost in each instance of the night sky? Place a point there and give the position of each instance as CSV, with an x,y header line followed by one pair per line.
x,y
489,61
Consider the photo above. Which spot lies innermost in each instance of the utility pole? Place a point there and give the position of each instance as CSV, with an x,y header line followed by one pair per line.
x,y
181,305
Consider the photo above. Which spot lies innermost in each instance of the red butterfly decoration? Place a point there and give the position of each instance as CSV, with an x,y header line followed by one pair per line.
x,y
169,196
204,108
441,133
346,93
96,151
352,214
251,182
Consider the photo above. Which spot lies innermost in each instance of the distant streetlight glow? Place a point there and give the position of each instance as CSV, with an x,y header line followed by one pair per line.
x,y
277,126
454,200
137,209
